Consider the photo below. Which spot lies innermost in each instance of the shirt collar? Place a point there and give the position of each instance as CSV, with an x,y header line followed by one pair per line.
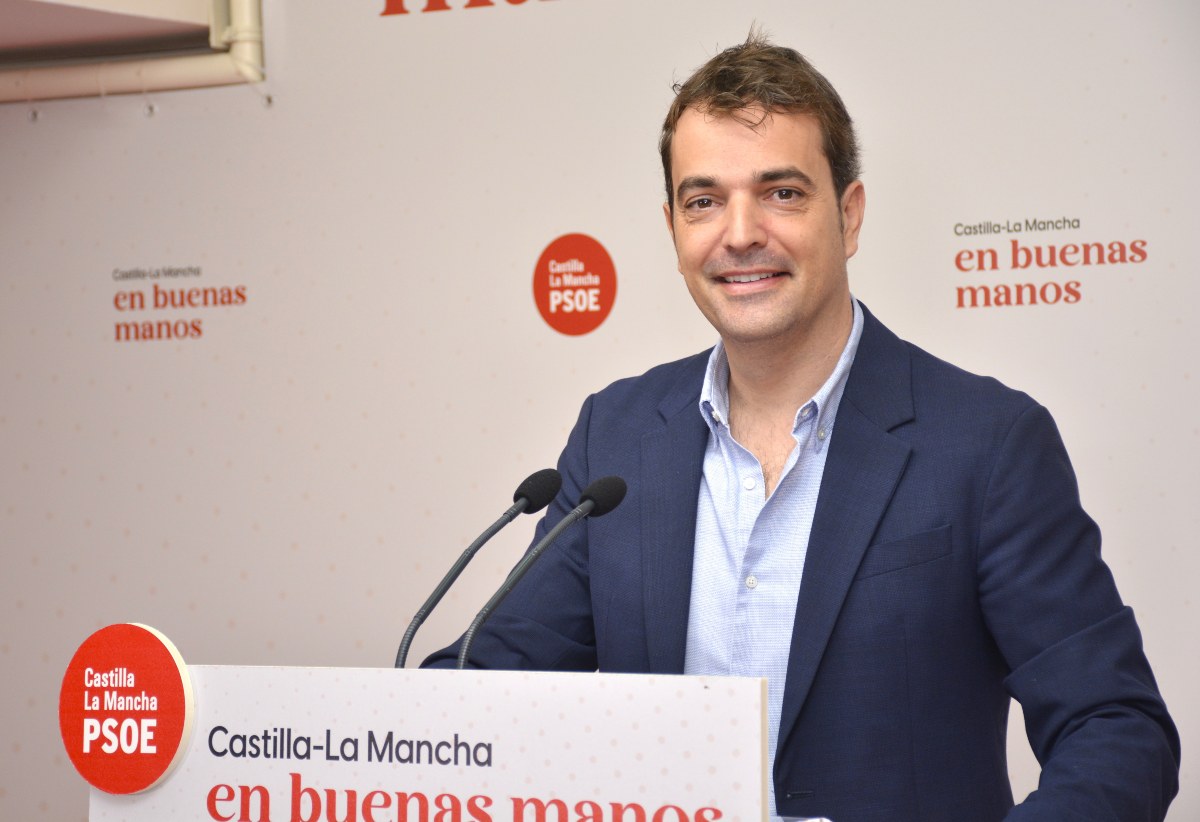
x,y
714,392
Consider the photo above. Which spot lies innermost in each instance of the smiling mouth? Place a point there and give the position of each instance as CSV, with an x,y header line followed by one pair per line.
x,y
750,278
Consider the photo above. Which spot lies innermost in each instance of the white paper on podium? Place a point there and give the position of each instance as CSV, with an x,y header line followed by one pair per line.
x,y
304,744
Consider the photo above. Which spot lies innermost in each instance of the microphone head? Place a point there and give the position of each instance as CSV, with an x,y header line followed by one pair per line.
x,y
538,489
605,493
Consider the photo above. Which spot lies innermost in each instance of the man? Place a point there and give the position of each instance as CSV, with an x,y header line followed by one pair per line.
x,y
896,544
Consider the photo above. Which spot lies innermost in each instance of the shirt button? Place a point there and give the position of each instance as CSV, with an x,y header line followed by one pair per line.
x,y
749,484
752,581
804,412
821,434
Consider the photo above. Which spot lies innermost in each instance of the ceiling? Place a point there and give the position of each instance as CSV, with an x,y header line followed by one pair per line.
x,y
34,32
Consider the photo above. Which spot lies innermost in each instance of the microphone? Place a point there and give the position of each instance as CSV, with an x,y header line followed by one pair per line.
x,y
597,499
532,495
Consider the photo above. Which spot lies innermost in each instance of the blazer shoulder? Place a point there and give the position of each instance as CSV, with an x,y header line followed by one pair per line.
x,y
895,382
974,389
667,386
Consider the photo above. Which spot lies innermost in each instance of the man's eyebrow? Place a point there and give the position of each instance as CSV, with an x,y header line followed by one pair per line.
x,y
773,175
694,182
778,175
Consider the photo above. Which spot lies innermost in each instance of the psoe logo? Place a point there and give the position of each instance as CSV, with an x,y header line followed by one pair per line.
x,y
574,284
398,7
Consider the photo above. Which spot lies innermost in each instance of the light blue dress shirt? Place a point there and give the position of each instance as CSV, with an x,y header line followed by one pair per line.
x,y
750,549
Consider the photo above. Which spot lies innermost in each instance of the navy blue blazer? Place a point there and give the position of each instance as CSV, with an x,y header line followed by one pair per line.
x,y
950,567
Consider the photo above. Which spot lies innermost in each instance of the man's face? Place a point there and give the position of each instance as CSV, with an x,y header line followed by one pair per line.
x,y
761,236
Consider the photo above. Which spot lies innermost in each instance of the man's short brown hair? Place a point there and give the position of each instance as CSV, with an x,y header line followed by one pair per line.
x,y
775,79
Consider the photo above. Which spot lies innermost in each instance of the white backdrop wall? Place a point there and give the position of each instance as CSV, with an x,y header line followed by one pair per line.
x,y
287,487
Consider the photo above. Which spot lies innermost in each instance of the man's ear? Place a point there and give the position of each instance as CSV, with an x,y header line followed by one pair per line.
x,y
853,207
669,215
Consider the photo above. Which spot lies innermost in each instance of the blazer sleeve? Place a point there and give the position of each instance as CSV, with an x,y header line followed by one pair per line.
x,y
1093,714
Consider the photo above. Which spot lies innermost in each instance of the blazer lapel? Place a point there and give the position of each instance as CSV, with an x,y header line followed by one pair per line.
x,y
862,470
672,462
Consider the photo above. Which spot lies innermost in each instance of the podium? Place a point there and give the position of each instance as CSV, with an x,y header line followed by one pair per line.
x,y
387,745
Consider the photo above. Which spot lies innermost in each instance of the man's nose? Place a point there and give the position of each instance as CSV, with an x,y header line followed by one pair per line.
x,y
745,224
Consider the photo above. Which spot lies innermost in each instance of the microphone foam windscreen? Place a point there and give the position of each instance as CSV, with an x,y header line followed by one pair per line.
x,y
539,488
606,493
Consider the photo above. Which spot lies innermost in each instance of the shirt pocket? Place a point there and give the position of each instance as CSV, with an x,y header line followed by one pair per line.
x,y
898,554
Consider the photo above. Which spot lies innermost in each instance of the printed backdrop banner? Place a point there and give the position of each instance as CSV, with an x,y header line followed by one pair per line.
x,y
270,357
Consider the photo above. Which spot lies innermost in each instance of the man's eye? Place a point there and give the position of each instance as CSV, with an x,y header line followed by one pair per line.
x,y
787,194
700,202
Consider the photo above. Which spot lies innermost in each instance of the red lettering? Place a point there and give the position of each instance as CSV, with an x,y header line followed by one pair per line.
x,y
404,799
1057,293
264,803
588,812
619,808
1069,255
301,796
331,800
375,801
1050,259
660,815
219,793
1021,257
312,804
477,806
397,6
1014,294
129,301
541,810
978,294
449,808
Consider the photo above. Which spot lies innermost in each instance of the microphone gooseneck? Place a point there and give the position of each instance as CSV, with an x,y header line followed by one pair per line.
x,y
597,499
533,494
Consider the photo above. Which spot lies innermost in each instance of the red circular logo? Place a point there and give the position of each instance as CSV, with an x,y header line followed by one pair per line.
x,y
125,709
574,284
